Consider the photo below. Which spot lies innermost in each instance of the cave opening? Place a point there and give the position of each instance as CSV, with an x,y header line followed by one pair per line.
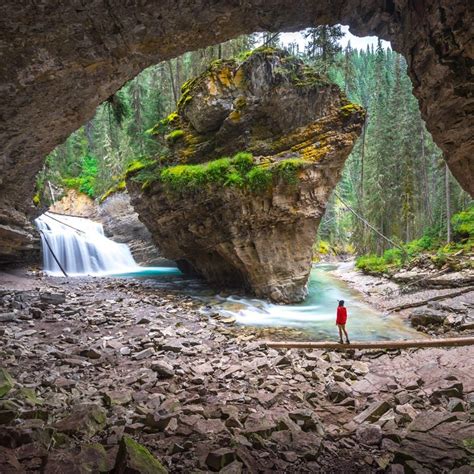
x,y
136,374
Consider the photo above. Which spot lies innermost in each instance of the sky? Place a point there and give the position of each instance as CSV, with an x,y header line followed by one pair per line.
x,y
356,41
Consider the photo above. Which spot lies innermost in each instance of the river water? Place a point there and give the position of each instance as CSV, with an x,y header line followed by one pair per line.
x,y
315,317
83,249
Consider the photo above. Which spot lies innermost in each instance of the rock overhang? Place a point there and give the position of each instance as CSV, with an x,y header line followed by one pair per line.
x,y
239,196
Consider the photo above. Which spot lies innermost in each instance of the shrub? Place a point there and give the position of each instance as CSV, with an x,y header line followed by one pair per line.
x,y
463,223
372,263
86,181
393,256
322,247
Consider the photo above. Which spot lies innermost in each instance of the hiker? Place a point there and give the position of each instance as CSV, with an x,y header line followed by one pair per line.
x,y
341,320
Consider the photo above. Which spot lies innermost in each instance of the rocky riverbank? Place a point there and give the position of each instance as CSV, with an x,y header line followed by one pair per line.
x,y
92,365
434,302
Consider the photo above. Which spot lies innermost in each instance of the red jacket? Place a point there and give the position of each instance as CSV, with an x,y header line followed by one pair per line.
x,y
341,315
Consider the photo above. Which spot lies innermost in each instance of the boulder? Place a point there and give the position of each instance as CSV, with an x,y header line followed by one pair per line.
x,y
117,397
373,412
337,392
133,458
248,221
220,458
86,419
427,316
369,434
52,298
163,369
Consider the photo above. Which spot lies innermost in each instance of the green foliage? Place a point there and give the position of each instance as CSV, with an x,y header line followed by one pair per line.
x,y
85,182
36,199
234,179
174,136
434,248
238,171
415,247
372,264
463,223
184,177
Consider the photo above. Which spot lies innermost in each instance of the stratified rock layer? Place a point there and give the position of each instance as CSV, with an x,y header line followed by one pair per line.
x,y
254,229
58,64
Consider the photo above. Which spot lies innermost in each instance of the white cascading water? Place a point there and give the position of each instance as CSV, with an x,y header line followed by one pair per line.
x,y
81,247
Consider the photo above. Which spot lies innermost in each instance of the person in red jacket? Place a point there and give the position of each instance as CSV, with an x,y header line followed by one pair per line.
x,y
341,320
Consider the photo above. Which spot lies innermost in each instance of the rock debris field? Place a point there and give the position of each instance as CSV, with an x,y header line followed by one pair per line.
x,y
115,375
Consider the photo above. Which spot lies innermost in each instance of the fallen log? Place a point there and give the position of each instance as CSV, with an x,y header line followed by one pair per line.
x,y
402,344
415,304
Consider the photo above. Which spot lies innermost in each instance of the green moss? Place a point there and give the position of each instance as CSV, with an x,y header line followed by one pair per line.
x,y
259,179
243,162
288,170
234,179
29,395
163,125
174,136
349,109
137,458
136,166
239,171
6,382
183,177
120,186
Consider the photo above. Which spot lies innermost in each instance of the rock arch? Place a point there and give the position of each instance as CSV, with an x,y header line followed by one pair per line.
x,y
59,61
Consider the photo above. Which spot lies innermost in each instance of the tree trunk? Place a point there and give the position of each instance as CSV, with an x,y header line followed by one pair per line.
x,y
172,81
448,204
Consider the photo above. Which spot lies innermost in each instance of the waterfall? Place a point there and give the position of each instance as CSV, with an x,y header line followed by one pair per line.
x,y
81,247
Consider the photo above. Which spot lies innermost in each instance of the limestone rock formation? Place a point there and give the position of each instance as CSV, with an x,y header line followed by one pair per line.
x,y
58,64
249,220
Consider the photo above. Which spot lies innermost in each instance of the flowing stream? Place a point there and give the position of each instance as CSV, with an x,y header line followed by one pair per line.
x,y
316,316
83,249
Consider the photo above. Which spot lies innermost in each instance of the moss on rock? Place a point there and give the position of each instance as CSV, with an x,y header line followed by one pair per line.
x,y
133,457
6,382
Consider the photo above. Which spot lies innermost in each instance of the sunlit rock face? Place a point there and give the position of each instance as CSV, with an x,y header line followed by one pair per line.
x,y
58,64
250,220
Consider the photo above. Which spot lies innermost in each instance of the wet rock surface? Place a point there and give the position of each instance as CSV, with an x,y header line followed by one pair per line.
x,y
210,397
297,130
